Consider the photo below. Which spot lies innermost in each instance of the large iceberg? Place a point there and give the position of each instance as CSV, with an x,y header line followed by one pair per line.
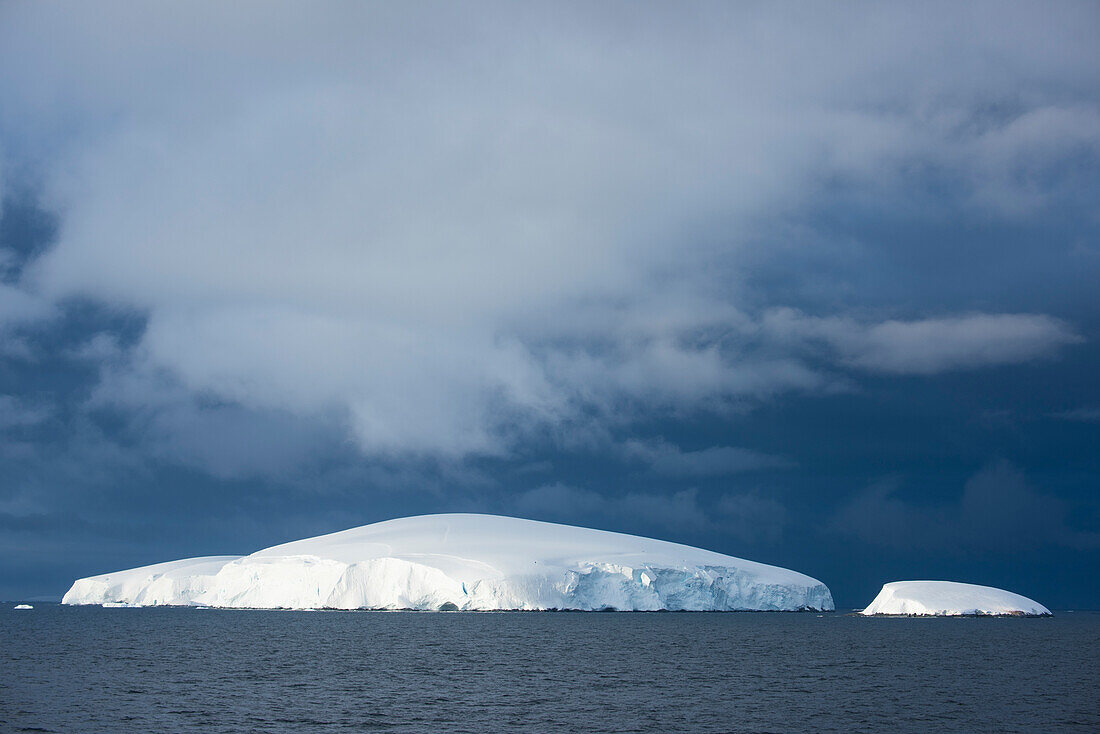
x,y
464,561
951,599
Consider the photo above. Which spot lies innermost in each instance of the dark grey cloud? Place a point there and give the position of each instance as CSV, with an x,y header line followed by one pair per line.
x,y
666,459
747,517
998,509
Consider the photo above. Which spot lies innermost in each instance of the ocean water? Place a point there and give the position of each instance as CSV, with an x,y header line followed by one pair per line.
x,y
77,669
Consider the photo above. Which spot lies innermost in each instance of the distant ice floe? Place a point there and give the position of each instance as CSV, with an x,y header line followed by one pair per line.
x,y
21,607
951,599
464,562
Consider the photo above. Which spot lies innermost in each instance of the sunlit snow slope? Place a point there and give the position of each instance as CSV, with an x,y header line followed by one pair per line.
x,y
476,562
950,598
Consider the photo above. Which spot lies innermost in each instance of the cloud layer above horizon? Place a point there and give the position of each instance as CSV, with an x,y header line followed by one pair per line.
x,y
539,223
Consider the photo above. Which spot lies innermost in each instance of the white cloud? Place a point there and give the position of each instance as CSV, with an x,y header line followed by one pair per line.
x,y
18,306
450,228
1083,414
927,346
16,413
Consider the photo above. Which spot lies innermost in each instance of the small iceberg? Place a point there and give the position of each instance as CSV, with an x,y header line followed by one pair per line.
x,y
23,606
951,599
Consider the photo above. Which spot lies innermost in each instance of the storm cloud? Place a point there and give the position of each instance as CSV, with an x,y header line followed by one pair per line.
x,y
998,509
507,231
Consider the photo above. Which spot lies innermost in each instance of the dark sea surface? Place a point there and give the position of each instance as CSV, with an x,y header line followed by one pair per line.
x,y
77,669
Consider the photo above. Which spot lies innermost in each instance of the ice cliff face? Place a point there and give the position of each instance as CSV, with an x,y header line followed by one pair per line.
x,y
473,562
950,598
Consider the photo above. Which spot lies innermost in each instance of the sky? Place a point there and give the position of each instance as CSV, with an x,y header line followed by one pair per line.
x,y
810,284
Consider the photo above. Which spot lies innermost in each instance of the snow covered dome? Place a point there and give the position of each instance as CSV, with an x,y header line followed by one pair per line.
x,y
464,561
950,598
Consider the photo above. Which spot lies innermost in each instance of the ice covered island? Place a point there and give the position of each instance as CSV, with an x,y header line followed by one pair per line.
x,y
468,562
951,599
